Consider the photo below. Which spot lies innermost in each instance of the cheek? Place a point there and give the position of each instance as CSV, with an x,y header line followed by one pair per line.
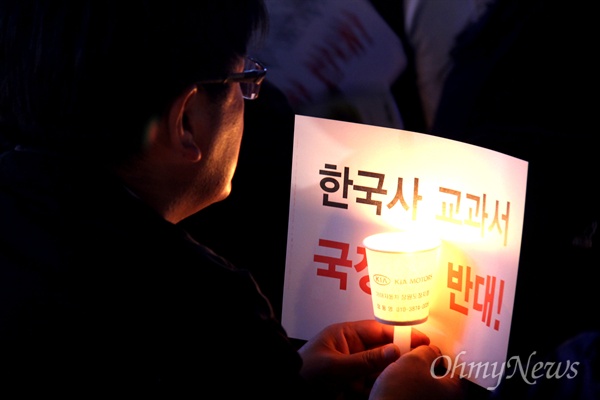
x,y
232,127
238,115
226,122
235,116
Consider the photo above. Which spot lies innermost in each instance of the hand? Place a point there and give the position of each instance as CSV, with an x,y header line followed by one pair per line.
x,y
411,377
347,357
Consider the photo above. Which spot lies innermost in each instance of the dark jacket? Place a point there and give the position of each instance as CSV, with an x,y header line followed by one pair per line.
x,y
99,294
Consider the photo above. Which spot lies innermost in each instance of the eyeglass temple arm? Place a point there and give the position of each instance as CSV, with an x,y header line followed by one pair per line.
x,y
255,76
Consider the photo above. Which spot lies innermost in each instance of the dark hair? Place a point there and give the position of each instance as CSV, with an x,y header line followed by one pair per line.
x,y
88,75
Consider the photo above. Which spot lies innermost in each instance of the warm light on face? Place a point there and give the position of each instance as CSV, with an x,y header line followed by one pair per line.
x,y
401,274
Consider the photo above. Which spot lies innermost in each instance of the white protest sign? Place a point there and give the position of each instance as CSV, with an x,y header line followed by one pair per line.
x,y
351,180
332,56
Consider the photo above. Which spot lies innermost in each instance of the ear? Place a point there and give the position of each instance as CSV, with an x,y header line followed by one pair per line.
x,y
181,132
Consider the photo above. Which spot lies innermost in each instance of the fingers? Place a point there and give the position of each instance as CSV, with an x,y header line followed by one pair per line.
x,y
418,338
370,332
373,333
428,353
413,376
368,362
382,357
432,357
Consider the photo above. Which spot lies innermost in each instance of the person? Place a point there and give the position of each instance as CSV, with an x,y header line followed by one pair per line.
x,y
513,90
520,84
570,372
119,120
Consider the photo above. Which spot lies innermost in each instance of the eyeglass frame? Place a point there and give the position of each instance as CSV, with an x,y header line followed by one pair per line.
x,y
253,76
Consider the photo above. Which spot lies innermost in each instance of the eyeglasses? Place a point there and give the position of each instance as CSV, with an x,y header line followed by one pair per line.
x,y
250,79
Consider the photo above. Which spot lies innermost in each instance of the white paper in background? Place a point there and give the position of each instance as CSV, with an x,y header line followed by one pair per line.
x,y
353,180
328,55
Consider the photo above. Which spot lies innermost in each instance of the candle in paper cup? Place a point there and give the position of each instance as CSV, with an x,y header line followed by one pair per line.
x,y
401,268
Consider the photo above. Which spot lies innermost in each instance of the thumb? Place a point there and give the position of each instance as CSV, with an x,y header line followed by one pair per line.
x,y
370,361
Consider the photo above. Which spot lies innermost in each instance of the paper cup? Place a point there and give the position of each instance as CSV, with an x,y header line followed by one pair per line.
x,y
401,271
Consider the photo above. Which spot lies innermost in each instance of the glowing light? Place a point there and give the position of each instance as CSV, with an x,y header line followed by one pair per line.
x,y
401,267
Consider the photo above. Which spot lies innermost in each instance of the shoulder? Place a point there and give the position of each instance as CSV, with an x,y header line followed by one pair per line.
x,y
571,371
